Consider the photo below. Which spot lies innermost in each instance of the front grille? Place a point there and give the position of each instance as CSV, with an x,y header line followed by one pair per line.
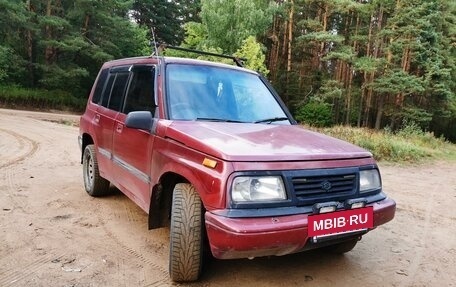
x,y
316,186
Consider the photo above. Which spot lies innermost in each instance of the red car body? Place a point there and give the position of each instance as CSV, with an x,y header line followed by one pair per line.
x,y
209,155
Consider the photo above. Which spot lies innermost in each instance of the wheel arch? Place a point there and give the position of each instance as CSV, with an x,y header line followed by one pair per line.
x,y
86,140
161,199
181,166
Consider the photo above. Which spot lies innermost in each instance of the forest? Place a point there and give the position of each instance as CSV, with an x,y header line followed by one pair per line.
x,y
379,64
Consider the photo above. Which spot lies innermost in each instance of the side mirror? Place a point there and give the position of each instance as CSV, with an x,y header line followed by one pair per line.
x,y
140,120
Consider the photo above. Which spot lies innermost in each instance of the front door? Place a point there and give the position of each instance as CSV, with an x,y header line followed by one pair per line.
x,y
132,148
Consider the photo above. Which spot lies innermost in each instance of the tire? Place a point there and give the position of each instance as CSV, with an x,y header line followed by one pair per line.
x,y
343,247
94,184
186,234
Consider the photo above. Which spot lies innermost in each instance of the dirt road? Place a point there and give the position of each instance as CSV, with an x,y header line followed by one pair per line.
x,y
53,234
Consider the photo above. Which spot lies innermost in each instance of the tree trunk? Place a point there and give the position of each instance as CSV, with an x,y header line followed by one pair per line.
x,y
290,36
349,95
273,54
405,65
30,50
285,38
289,46
378,118
363,114
351,71
325,25
85,27
49,51
376,54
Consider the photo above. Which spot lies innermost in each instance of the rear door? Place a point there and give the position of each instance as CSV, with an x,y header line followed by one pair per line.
x,y
132,148
109,106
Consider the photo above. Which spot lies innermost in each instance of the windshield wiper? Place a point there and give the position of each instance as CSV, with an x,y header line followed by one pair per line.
x,y
218,120
270,120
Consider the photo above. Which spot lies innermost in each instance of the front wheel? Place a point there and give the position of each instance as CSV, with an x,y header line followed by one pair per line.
x,y
94,184
186,234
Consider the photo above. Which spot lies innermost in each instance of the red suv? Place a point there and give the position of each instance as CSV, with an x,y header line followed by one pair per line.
x,y
211,151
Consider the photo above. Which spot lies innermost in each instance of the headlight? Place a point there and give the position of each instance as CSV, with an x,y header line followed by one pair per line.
x,y
369,180
258,189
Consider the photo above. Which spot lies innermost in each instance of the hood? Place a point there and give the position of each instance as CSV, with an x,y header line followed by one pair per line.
x,y
260,142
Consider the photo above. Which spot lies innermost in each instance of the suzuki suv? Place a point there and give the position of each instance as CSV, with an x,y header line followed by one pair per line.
x,y
211,151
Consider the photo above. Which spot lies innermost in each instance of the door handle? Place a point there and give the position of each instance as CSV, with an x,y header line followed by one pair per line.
x,y
119,128
97,118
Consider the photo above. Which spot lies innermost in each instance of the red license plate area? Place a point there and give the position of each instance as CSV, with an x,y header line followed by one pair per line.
x,y
340,221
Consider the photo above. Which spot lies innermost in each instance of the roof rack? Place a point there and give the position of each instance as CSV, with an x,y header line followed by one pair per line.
x,y
239,61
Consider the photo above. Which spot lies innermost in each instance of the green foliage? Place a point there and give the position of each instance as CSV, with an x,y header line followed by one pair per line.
x,y
366,64
423,29
62,44
253,52
165,17
342,52
198,36
379,62
230,22
398,81
416,118
4,62
315,113
410,129
195,35
11,65
407,145
55,76
330,89
321,36
16,97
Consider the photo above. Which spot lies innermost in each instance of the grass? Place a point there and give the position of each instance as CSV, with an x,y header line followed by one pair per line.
x,y
64,122
36,99
409,144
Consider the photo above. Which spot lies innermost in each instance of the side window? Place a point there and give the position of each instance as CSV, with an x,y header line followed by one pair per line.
x,y
118,90
140,95
107,90
99,86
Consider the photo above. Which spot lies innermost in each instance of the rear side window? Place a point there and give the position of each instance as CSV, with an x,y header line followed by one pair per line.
x,y
99,86
118,91
107,90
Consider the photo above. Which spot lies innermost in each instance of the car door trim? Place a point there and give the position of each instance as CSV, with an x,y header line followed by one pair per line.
x,y
131,169
105,152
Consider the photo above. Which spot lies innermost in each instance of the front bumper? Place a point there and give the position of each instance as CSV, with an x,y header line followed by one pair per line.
x,y
231,238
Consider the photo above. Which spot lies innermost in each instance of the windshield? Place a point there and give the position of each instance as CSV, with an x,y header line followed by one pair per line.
x,y
220,94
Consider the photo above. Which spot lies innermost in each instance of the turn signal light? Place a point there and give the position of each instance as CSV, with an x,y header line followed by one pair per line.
x,y
209,162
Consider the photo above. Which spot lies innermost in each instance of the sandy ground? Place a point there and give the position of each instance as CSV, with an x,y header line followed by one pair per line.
x,y
53,234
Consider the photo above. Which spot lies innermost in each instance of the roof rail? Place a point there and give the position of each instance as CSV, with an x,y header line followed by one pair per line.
x,y
239,61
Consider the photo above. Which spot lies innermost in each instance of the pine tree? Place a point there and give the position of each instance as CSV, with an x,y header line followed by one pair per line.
x,y
229,23
164,17
61,44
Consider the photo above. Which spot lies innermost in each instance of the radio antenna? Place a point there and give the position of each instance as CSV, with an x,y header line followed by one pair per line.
x,y
156,52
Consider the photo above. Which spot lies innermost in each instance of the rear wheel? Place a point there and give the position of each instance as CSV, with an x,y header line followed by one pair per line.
x,y
343,247
94,184
186,234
